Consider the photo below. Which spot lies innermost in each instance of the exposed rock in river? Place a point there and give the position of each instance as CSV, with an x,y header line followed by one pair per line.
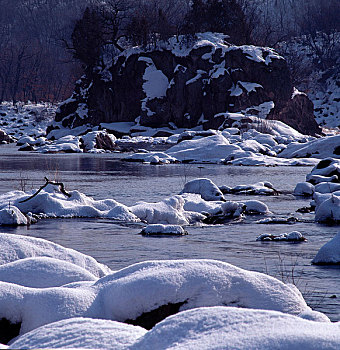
x,y
188,82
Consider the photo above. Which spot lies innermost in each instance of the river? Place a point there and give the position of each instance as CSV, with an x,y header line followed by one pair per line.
x,y
106,176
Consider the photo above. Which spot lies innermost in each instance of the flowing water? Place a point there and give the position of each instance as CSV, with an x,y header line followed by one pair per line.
x,y
106,176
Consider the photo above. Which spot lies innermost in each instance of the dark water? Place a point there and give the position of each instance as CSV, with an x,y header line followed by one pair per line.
x,y
105,176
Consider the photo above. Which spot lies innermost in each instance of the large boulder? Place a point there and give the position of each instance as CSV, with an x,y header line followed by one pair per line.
x,y
187,82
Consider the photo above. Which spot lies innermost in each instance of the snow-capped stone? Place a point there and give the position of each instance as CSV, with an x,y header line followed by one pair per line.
x,y
305,189
205,187
43,272
238,328
80,333
166,230
12,216
15,247
329,253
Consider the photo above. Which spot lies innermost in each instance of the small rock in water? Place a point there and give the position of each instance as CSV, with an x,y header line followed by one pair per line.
x,y
163,230
294,236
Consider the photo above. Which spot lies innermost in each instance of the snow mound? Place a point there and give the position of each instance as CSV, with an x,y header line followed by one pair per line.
x,y
80,333
211,149
14,247
318,148
205,187
304,189
328,208
294,236
329,253
167,230
132,292
234,328
12,216
169,211
43,272
51,202
259,188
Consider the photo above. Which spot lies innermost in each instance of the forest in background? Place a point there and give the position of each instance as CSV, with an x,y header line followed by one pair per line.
x,y
45,45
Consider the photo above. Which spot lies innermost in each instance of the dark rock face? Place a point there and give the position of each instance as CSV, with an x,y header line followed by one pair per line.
x,y
8,330
4,138
187,87
298,113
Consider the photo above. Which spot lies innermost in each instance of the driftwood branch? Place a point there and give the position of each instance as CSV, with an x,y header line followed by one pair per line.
x,y
48,182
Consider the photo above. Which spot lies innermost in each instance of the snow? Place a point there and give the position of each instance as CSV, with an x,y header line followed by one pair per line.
x,y
121,127
52,203
12,216
318,148
205,187
294,236
158,229
81,333
43,272
155,82
142,287
234,328
328,210
329,253
259,188
169,211
15,247
305,189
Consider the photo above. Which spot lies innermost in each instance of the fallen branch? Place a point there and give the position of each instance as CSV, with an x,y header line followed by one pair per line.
x,y
48,182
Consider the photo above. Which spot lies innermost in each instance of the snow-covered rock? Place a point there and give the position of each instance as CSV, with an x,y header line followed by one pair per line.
x,y
328,210
43,272
163,230
236,328
259,188
304,189
144,287
80,333
294,236
12,216
329,253
51,202
205,187
169,211
15,247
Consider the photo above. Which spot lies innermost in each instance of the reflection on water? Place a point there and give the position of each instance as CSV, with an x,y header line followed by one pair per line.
x,y
105,176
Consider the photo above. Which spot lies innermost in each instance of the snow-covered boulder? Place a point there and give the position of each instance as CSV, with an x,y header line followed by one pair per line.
x,y
255,207
294,236
326,167
304,189
329,253
328,210
259,188
318,148
151,157
237,328
211,149
80,333
169,211
175,83
12,216
163,230
15,247
205,187
131,294
51,202
43,272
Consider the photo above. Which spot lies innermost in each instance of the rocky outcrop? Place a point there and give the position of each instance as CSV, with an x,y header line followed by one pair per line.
x,y
187,82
